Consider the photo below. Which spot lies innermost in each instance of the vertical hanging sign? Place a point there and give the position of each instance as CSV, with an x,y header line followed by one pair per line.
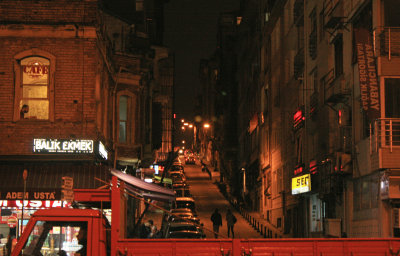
x,y
369,85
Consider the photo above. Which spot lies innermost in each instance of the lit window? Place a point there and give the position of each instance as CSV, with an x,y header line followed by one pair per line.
x,y
34,103
34,85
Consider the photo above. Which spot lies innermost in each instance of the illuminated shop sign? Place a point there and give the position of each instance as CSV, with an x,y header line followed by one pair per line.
x,y
62,146
299,169
102,151
301,184
313,167
33,204
30,195
298,118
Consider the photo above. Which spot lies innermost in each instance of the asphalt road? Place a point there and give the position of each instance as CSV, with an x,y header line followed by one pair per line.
x,y
208,198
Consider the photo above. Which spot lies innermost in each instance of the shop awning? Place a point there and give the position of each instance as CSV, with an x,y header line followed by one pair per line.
x,y
149,190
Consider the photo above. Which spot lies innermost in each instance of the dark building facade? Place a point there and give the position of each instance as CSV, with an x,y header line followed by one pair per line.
x,y
317,116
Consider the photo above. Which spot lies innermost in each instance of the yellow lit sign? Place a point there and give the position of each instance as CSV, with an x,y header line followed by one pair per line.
x,y
301,184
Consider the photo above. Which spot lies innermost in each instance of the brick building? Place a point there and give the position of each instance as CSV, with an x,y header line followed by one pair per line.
x,y
76,97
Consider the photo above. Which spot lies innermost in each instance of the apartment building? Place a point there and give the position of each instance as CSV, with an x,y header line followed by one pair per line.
x,y
318,116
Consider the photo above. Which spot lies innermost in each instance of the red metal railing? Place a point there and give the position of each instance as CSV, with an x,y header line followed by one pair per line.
x,y
235,247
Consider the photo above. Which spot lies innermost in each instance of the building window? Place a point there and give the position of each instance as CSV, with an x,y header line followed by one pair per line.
x,y
139,5
338,55
34,103
34,86
126,117
123,118
312,47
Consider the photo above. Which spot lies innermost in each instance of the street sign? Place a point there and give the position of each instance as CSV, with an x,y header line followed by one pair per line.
x,y
12,221
68,183
67,192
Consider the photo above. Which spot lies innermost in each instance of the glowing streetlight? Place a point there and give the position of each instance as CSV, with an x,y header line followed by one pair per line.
x,y
206,125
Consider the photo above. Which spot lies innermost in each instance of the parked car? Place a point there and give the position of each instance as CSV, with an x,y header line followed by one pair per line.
x,y
183,217
179,185
183,214
185,202
186,234
177,167
177,176
182,191
175,229
183,210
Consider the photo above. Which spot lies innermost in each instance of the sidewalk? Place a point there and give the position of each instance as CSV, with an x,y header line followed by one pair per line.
x,y
254,219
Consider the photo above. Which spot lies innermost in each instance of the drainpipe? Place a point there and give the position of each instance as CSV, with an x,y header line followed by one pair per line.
x,y
114,105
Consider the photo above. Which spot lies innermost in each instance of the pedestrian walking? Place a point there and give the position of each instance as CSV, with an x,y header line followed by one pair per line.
x,y
230,222
217,222
153,229
209,173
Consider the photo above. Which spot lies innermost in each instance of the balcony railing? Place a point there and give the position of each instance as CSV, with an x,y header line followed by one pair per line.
x,y
387,41
385,133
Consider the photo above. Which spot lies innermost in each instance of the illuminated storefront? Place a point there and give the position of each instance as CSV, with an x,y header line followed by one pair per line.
x,y
82,160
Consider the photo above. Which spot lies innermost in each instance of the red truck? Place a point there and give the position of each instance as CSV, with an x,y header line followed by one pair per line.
x,y
52,232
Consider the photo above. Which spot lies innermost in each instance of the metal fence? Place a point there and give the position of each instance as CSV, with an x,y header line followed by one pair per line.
x,y
385,133
387,41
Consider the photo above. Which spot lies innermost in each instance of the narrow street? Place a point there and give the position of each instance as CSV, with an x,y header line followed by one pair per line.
x,y
208,197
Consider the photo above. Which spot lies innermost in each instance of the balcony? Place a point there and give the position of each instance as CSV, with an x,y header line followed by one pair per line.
x,y
387,41
335,89
387,49
298,13
385,144
333,14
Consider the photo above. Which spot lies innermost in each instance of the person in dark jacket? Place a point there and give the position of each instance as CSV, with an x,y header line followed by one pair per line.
x,y
82,240
217,222
230,222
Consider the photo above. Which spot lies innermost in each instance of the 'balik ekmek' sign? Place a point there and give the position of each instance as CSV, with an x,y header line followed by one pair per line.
x,y
369,85
62,146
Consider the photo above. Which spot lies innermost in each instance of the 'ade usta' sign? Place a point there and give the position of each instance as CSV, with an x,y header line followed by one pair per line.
x,y
62,146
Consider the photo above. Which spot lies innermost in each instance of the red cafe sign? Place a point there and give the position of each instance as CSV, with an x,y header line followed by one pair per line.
x,y
32,204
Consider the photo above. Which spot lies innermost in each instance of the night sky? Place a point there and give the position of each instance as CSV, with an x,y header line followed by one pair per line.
x,y
191,33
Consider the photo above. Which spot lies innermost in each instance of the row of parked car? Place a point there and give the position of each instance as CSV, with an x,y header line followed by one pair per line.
x,y
182,221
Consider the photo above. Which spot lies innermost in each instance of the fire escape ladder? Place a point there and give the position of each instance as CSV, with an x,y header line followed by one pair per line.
x,y
333,16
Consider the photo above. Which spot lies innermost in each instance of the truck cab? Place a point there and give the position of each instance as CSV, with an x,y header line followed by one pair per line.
x,y
54,232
